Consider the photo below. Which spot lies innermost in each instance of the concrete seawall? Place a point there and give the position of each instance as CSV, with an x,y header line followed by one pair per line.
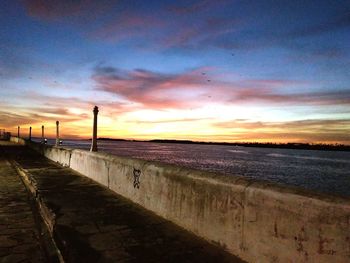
x,y
259,222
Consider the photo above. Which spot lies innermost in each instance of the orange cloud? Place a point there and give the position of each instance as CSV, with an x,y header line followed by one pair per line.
x,y
315,130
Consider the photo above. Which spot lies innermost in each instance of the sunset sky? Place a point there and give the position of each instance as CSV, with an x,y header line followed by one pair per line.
x,y
223,70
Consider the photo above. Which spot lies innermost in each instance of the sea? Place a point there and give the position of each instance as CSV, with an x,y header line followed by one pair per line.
x,y
320,171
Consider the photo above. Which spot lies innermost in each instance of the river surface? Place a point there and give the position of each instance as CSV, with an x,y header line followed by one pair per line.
x,y
321,171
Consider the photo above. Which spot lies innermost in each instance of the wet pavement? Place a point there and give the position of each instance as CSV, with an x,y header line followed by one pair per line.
x,y
88,222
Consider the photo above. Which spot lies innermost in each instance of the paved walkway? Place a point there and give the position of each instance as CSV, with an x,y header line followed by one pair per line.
x,y
19,234
93,224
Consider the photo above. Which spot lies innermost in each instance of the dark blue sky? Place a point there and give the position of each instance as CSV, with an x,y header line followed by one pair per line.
x,y
213,70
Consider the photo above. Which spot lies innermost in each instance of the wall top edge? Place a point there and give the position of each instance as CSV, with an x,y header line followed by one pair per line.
x,y
212,177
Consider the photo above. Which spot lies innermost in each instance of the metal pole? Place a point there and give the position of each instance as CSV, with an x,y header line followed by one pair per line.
x,y
18,128
94,131
42,134
57,133
30,133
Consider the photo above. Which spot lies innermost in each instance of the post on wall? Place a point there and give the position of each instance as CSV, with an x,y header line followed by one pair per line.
x,y
94,131
42,134
57,133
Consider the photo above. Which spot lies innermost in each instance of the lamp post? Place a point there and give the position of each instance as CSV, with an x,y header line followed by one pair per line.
x,y
18,129
30,133
57,133
94,131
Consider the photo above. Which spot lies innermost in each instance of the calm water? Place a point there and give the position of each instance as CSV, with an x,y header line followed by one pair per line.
x,y
322,171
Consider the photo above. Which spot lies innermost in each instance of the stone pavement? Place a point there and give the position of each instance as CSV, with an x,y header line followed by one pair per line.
x,y
90,223
19,233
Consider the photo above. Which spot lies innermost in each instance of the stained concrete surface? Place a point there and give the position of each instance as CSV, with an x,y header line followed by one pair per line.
x,y
19,233
93,224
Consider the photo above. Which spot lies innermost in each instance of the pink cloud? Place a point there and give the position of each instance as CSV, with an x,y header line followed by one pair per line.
x,y
153,90
128,25
268,95
198,6
52,9
200,86
190,25
204,31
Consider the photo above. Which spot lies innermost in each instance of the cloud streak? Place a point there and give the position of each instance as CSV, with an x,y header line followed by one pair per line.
x,y
193,25
197,6
200,86
337,23
316,130
9,119
51,9
153,90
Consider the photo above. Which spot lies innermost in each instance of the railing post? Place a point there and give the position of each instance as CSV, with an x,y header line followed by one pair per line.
x,y
30,133
18,128
42,134
94,131
57,133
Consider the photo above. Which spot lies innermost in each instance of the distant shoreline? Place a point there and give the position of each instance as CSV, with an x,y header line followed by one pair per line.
x,y
299,146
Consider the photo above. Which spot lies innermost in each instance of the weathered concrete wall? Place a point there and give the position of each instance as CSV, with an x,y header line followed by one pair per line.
x,y
91,165
57,154
259,222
